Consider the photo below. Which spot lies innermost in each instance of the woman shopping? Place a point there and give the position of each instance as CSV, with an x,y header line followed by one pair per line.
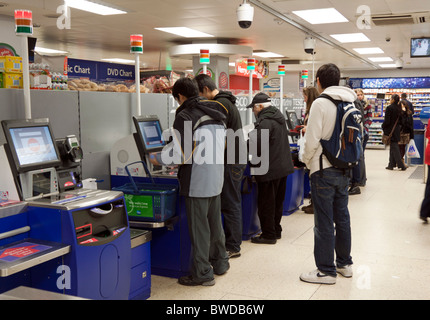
x,y
407,131
391,127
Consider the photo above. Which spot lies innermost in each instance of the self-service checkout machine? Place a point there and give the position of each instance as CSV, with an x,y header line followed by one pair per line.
x,y
170,244
87,228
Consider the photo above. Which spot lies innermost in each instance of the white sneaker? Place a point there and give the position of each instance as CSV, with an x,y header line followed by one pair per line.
x,y
317,276
345,271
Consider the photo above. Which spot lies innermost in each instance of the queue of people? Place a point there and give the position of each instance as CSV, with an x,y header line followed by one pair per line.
x,y
214,189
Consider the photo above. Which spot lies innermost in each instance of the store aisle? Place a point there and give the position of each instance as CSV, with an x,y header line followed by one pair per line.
x,y
390,250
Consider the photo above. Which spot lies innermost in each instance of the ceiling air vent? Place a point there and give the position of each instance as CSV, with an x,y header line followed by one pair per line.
x,y
386,20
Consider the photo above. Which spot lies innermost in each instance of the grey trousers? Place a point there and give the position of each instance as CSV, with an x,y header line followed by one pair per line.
x,y
207,237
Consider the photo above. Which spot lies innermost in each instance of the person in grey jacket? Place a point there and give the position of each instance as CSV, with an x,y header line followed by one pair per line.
x,y
234,163
199,139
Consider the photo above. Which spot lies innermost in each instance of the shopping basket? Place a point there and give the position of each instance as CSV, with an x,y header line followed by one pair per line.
x,y
148,201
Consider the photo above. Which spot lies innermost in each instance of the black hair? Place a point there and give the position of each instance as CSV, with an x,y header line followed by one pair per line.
x,y
329,75
396,99
203,80
186,87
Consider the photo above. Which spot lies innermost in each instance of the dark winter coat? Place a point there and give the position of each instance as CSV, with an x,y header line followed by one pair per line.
x,y
233,122
280,160
392,113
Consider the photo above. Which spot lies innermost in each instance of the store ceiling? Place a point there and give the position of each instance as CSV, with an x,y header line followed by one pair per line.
x,y
96,37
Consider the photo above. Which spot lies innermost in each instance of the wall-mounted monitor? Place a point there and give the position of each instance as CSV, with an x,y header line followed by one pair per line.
x,y
31,144
149,134
420,47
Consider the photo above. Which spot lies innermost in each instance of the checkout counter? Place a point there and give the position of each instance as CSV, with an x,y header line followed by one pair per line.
x,y
170,245
59,237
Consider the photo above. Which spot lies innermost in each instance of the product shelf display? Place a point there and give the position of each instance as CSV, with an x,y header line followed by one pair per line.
x,y
416,88
420,98
375,134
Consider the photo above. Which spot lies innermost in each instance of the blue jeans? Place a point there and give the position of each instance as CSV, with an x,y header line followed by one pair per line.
x,y
332,229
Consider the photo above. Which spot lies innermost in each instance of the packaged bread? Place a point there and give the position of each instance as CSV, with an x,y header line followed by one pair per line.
x,y
143,89
121,88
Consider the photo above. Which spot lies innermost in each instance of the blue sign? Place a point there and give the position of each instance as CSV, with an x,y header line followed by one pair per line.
x,y
114,71
99,71
390,83
82,69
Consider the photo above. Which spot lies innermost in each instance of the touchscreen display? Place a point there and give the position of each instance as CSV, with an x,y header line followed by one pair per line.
x,y
33,145
151,134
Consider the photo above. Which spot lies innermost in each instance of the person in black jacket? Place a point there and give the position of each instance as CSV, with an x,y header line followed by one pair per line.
x,y
271,138
393,120
234,163
407,126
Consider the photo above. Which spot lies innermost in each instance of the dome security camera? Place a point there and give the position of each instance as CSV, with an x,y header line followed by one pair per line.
x,y
245,15
399,64
309,45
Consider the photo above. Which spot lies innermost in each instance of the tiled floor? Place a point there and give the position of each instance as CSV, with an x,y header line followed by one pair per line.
x,y
390,250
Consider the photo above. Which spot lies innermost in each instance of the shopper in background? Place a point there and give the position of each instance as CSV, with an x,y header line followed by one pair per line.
x,y
358,177
367,122
271,185
393,119
425,205
231,196
329,185
410,105
407,128
309,96
200,181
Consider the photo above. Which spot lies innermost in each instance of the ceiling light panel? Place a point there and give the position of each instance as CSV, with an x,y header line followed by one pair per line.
x,y
48,51
267,54
374,50
388,65
97,8
350,37
321,16
185,32
381,59
118,60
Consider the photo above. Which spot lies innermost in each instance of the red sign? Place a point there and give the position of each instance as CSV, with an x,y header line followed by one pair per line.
x,y
21,250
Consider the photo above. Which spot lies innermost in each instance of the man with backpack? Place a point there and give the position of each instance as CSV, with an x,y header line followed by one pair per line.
x,y
329,182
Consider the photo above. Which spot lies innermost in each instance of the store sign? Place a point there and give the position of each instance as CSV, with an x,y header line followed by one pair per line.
x,y
390,83
114,71
99,71
7,50
77,68
261,68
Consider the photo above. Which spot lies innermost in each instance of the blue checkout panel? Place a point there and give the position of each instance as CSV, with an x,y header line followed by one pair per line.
x,y
76,245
